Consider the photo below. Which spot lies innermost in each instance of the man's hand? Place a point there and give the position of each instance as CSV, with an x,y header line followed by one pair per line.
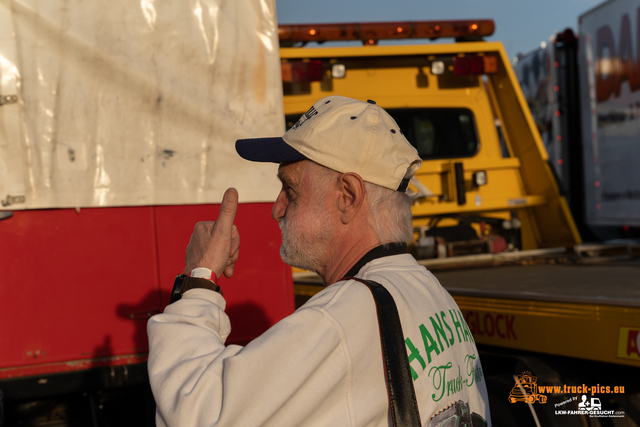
x,y
216,244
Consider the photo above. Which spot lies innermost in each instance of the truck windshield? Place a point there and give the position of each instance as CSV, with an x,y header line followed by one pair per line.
x,y
437,133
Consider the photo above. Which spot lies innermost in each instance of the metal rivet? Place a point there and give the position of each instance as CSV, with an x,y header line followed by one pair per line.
x,y
353,117
327,102
393,131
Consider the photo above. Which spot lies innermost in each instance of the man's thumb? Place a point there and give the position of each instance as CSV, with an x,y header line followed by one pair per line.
x,y
228,209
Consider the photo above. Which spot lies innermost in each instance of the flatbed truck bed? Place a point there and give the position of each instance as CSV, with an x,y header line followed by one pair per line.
x,y
565,302
579,284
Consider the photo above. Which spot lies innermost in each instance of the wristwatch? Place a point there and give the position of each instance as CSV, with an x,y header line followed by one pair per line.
x,y
183,283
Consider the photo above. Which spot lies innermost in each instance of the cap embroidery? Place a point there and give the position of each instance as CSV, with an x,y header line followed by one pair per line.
x,y
306,116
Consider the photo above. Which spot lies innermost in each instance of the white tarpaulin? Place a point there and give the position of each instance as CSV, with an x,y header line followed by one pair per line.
x,y
122,103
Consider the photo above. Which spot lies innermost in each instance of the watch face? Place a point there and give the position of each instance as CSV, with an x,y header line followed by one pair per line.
x,y
177,285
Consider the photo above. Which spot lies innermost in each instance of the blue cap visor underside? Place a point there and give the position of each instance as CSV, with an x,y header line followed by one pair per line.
x,y
273,150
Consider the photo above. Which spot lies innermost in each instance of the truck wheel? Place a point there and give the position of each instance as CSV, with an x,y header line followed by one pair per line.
x,y
542,398
530,399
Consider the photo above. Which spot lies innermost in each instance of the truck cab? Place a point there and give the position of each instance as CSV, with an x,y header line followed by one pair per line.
x,y
484,185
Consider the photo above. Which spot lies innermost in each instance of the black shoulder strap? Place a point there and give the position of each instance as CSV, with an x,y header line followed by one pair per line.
x,y
402,396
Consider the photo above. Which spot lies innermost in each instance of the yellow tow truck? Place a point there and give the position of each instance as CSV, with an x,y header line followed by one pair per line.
x,y
489,218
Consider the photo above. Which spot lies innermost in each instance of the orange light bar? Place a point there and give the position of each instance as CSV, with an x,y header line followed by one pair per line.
x,y
371,32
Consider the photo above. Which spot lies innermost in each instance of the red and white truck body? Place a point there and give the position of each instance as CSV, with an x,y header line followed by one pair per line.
x,y
117,131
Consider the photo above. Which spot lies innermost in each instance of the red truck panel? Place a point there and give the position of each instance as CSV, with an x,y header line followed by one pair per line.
x,y
261,290
76,289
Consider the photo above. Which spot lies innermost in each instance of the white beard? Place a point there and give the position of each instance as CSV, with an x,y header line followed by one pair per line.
x,y
305,243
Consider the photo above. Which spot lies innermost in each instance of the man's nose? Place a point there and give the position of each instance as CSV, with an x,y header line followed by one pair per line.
x,y
280,206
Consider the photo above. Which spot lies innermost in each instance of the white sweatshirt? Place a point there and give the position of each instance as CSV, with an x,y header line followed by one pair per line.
x,y
320,366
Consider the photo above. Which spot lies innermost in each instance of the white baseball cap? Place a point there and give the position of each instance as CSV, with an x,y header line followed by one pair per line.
x,y
345,135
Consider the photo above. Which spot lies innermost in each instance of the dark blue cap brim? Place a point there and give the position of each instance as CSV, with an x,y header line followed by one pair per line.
x,y
273,150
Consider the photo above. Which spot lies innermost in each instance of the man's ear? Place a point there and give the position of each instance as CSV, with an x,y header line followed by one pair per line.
x,y
352,192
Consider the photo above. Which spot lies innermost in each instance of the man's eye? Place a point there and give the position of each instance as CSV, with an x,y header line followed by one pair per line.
x,y
288,190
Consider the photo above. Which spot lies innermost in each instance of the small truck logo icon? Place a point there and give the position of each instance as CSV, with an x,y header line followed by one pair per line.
x,y
526,389
594,405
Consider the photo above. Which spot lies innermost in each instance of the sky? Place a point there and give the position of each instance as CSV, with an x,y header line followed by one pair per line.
x,y
520,25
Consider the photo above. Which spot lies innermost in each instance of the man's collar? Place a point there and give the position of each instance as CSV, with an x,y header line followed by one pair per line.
x,y
378,252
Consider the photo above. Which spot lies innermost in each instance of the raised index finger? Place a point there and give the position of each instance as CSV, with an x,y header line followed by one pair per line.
x,y
228,208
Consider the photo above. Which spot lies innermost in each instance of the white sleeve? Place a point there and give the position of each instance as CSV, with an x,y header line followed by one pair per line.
x,y
275,380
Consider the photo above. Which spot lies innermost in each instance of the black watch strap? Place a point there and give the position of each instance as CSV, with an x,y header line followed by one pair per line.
x,y
183,283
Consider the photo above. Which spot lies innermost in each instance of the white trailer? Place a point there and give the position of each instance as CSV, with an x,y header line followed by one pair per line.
x,y
609,72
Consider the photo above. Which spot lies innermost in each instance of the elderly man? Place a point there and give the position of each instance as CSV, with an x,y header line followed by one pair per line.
x,y
344,212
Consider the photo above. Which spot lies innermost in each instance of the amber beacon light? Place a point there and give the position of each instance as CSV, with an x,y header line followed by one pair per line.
x,y
369,33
